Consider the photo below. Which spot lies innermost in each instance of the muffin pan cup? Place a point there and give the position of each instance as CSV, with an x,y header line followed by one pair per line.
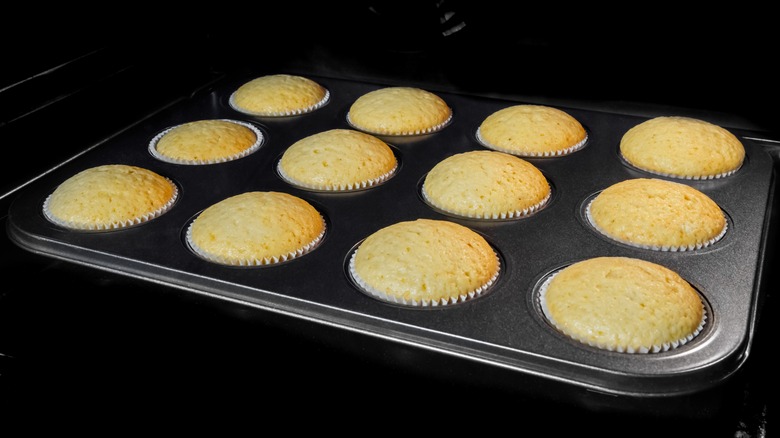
x,y
503,330
202,162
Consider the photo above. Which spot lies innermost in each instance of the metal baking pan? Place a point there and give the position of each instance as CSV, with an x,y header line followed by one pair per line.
x,y
502,330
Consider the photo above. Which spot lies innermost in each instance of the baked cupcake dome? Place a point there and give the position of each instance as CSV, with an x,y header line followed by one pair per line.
x,y
424,262
486,185
399,111
532,131
623,304
338,160
279,95
110,196
657,214
256,228
206,142
682,147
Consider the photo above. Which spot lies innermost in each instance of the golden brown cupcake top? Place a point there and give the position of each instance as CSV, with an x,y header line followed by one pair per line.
x,y
279,95
206,142
424,262
338,160
399,111
682,147
109,197
623,304
532,131
486,185
256,228
657,214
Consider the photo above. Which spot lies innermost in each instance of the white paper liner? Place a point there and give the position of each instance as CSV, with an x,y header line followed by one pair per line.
x,y
429,130
265,261
255,146
341,187
288,113
376,293
547,154
684,177
666,346
667,248
114,225
516,214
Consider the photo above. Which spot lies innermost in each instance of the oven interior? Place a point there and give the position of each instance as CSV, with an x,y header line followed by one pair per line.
x,y
89,82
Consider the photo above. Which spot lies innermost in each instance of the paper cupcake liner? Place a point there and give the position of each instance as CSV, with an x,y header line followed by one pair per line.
x,y
429,130
293,112
265,261
341,187
683,177
365,287
667,248
516,214
666,346
547,154
255,146
113,225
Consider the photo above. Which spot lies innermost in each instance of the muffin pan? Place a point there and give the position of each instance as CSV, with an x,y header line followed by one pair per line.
x,y
505,328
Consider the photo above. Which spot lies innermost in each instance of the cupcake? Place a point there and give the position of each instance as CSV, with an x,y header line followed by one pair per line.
x,y
206,142
486,185
279,95
623,304
424,263
657,214
108,197
337,160
532,131
256,228
399,111
682,147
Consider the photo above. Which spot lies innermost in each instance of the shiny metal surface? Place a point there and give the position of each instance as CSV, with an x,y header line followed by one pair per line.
x,y
503,330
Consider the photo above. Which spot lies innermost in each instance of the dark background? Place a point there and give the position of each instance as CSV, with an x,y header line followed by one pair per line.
x,y
71,77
